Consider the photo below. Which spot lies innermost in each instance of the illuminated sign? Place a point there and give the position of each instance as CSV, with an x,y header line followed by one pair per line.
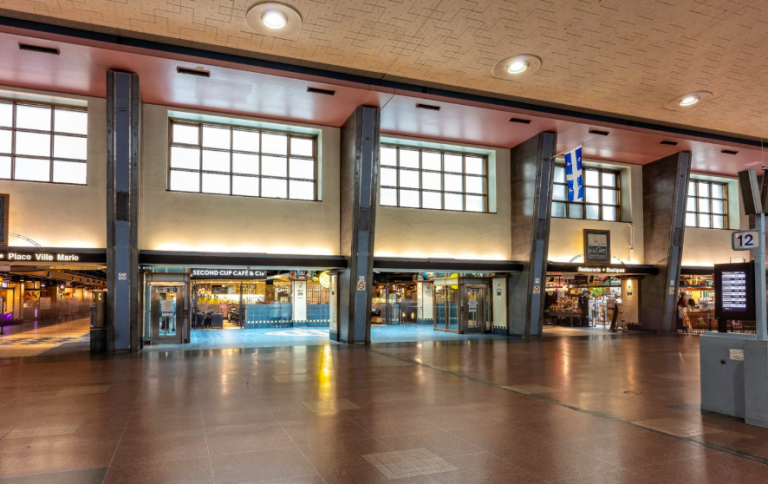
x,y
601,270
228,274
51,257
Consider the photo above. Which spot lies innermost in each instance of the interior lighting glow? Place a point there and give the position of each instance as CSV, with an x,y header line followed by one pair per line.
x,y
274,20
517,67
689,100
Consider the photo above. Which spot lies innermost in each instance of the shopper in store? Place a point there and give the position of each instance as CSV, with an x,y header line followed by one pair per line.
x,y
682,303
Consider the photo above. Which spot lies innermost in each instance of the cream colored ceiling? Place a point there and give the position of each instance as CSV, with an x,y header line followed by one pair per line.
x,y
616,56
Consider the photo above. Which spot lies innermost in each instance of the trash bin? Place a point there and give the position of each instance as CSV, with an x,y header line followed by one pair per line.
x,y
98,340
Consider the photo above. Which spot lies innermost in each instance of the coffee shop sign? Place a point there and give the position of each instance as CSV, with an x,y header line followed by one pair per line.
x,y
41,257
602,270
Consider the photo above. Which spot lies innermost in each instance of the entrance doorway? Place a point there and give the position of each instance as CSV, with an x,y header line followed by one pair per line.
x,y
475,307
166,313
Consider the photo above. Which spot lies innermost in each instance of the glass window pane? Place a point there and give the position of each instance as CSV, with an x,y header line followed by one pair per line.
x,y
215,161
274,143
592,178
215,183
475,203
5,141
302,147
409,198
182,133
388,197
592,195
5,167
474,184
575,210
33,144
388,156
6,114
245,140
593,212
247,164
704,220
432,200
185,158
409,158
388,177
302,190
558,192
273,188
691,204
453,201
690,219
274,166
718,206
33,117
301,168
692,189
718,222
559,174
216,137
409,179
609,213
558,209
69,172
70,147
704,205
474,165
66,121
609,179
245,185
610,197
453,163
703,189
185,181
430,181
431,160
717,190
453,183
32,169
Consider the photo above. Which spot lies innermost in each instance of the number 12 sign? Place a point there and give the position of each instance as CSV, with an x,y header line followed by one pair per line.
x,y
745,240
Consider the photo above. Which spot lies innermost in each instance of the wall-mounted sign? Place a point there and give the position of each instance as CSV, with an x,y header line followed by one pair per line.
x,y
47,257
597,245
601,270
228,274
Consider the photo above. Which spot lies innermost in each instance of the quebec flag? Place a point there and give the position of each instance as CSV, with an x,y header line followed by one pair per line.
x,y
573,175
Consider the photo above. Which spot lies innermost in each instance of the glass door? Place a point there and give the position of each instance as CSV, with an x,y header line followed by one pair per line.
x,y
473,313
166,313
446,307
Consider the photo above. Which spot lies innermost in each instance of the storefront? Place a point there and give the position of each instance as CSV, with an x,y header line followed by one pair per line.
x,y
696,301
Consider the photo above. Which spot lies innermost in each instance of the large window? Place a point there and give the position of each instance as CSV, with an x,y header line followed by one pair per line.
x,y
234,160
707,205
438,180
602,195
43,142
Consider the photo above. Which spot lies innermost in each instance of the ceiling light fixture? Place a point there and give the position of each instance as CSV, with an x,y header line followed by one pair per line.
x,y
517,67
688,101
273,19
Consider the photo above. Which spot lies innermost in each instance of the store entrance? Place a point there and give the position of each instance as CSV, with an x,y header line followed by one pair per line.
x,y
166,313
473,318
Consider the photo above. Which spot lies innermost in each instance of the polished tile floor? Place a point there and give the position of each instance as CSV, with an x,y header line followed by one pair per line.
x,y
581,409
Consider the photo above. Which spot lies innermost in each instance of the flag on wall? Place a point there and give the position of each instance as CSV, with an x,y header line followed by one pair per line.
x,y
573,175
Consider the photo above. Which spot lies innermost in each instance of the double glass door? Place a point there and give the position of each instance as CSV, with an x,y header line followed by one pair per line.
x,y
462,308
166,313
474,311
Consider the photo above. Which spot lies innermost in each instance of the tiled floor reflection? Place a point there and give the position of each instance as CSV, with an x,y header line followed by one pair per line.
x,y
577,409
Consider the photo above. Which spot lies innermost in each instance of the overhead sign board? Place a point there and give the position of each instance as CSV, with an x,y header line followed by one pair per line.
x,y
601,270
745,240
223,274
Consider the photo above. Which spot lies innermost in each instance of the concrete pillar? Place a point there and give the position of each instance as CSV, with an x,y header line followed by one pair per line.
x,y
630,299
123,162
665,189
359,178
532,166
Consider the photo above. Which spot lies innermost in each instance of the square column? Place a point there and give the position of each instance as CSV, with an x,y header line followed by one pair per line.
x,y
665,190
123,160
359,180
532,167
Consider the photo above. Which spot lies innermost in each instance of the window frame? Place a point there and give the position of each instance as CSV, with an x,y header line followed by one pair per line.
x,y
420,170
14,129
583,202
232,127
711,214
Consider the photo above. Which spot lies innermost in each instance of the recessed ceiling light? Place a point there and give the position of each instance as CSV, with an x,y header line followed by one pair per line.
x,y
517,67
688,101
274,20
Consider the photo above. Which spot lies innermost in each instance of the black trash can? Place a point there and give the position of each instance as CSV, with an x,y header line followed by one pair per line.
x,y
98,340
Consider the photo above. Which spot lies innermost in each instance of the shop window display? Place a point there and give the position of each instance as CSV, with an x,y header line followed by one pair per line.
x,y
583,301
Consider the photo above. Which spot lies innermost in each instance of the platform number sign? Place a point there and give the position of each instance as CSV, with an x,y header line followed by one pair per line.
x,y
745,240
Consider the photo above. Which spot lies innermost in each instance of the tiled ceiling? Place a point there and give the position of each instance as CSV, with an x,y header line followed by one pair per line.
x,y
613,56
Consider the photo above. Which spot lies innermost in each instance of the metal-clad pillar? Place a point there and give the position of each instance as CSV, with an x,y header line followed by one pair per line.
x,y
359,178
665,190
532,167
123,161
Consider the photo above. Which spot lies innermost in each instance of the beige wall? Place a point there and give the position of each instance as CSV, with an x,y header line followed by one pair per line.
x,y
56,215
199,222
419,233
